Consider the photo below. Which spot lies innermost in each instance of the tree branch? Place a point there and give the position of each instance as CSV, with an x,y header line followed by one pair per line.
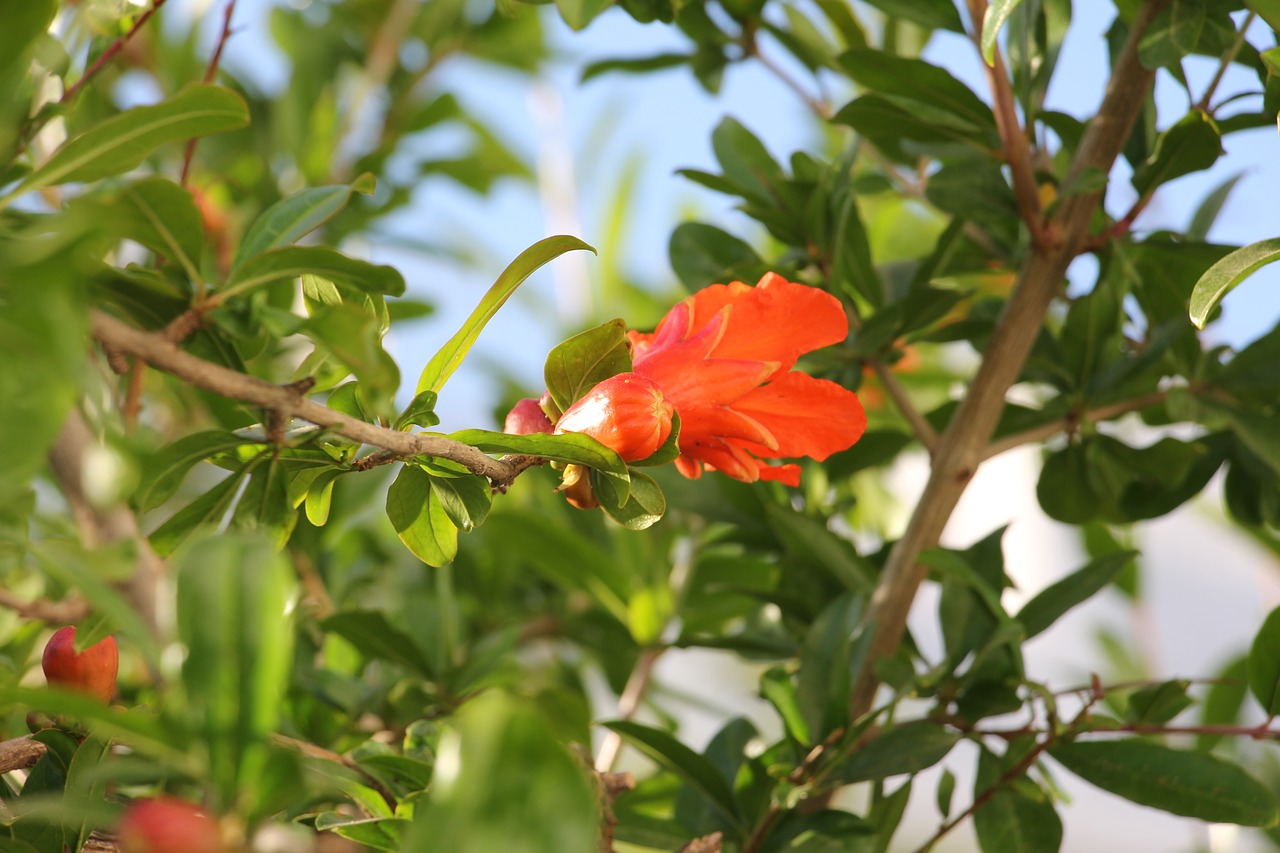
x,y
1072,422
285,402
963,445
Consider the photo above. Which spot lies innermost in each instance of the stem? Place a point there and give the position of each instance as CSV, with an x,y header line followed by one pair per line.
x,y
817,106
923,430
1227,59
962,446
287,402
628,703
209,74
1017,148
110,53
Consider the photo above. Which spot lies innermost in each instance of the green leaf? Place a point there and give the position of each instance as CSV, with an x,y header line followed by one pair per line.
x,y
1158,703
354,337
292,261
421,411
419,518
1191,145
1268,10
916,81
574,367
446,361
693,769
1016,818
84,782
24,23
573,448
1224,700
122,142
291,218
703,254
1191,784
43,328
932,14
1207,213
578,13
1065,487
232,618
1053,601
375,638
264,506
164,471
1264,664
997,13
747,164
643,507
320,496
634,65
162,216
465,499
1220,278
906,748
206,511
380,833
509,785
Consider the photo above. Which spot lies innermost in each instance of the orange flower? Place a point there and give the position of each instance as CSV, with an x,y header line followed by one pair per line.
x,y
723,359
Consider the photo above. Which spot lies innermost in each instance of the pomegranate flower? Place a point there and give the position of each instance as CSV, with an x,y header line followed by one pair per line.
x,y
723,359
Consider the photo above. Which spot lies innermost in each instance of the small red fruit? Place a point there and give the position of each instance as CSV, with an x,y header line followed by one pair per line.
x,y
527,418
92,671
167,825
627,413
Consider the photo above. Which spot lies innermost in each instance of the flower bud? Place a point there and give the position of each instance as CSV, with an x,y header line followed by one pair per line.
x,y
627,413
167,825
527,418
92,671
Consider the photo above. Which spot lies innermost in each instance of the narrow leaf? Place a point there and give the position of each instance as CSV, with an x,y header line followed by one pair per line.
x,y
1053,601
1264,664
695,770
992,22
446,361
907,748
293,261
122,142
292,218
1191,784
1220,278
375,637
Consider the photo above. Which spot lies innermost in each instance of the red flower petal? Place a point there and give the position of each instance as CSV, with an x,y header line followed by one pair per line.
x,y
809,417
777,320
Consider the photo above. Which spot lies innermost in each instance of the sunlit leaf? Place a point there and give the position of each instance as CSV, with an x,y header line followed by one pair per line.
x,y
446,361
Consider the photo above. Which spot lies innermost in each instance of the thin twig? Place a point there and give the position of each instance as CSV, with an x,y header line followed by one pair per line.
x,y
287,402
1072,422
209,74
962,446
1017,147
110,53
1227,58
628,704
817,106
923,430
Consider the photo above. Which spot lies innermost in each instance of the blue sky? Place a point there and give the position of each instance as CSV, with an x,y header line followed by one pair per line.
x,y
661,122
